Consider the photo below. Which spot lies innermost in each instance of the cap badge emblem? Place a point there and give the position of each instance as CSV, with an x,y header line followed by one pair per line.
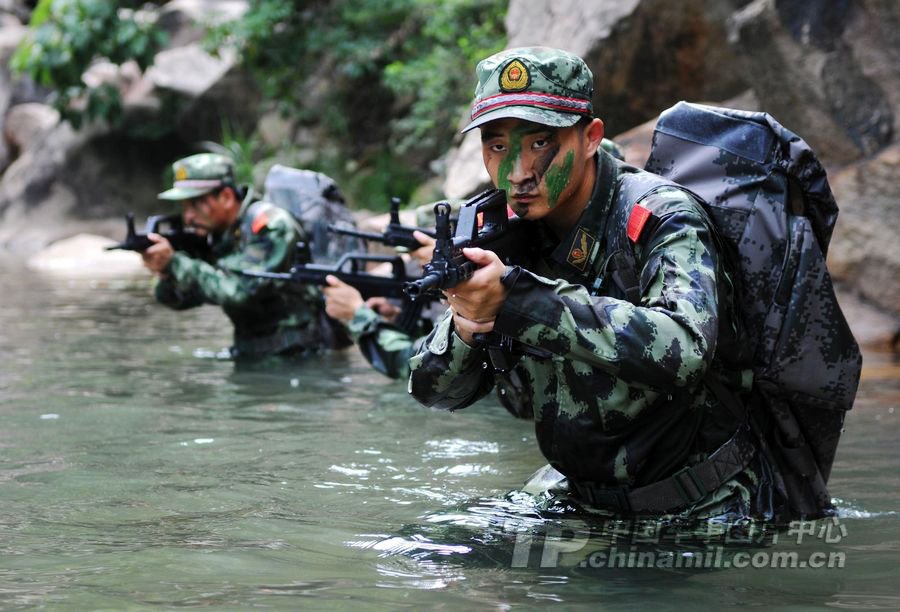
x,y
514,77
181,173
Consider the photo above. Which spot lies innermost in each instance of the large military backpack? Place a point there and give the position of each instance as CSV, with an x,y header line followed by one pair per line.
x,y
770,201
315,200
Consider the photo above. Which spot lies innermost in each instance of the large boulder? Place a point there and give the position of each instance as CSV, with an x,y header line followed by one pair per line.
x,y
829,71
466,175
27,124
11,33
864,249
60,182
64,182
645,54
230,98
18,9
185,21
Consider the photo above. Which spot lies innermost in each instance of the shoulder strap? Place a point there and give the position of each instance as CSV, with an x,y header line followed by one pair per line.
x,y
631,221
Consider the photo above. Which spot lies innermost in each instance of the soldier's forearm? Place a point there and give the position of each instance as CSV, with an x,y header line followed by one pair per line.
x,y
446,373
653,348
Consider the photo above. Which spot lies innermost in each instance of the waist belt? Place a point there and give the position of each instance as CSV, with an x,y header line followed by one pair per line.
x,y
273,344
682,489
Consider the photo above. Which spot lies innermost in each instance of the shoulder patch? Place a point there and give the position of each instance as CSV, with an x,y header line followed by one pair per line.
x,y
637,221
260,222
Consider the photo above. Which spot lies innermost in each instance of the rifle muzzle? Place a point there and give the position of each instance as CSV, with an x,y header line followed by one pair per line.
x,y
420,286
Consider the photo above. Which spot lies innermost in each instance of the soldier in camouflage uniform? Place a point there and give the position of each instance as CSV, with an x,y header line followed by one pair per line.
x,y
369,322
615,373
244,234
387,348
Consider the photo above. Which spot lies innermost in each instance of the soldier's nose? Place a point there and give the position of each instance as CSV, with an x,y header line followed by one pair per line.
x,y
519,173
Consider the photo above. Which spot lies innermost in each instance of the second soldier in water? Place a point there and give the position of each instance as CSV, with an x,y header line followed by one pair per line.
x,y
244,234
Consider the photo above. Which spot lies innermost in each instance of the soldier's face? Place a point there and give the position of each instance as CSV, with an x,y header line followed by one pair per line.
x,y
205,213
541,168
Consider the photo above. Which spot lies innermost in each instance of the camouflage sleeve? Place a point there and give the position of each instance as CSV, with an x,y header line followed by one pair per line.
x,y
446,372
269,246
175,296
662,344
385,347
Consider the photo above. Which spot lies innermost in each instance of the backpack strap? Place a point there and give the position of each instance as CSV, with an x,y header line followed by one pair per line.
x,y
620,265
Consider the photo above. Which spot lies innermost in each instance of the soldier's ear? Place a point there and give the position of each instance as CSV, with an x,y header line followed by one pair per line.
x,y
230,193
593,133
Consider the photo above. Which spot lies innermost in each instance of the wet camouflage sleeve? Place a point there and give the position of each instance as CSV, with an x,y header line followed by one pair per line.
x,y
177,297
270,248
385,347
607,354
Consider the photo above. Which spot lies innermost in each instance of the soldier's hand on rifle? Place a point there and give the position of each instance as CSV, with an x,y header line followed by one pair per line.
x,y
341,300
157,257
476,301
384,308
423,254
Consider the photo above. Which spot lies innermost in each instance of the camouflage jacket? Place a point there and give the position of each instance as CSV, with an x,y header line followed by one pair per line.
x,y
384,346
615,384
267,320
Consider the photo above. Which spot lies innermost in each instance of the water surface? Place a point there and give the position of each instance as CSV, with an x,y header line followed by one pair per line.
x,y
137,470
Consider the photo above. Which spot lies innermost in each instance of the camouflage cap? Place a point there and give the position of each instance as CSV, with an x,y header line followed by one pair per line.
x,y
199,174
539,84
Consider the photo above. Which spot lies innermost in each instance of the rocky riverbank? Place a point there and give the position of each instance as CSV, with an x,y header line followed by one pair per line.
x,y
828,71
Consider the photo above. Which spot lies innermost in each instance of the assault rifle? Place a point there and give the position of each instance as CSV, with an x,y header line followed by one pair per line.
x,y
170,227
484,222
350,269
395,234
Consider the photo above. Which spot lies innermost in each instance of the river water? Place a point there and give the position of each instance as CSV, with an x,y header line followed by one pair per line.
x,y
137,470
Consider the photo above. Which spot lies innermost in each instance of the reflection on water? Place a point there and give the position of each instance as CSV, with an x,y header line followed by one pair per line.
x,y
138,469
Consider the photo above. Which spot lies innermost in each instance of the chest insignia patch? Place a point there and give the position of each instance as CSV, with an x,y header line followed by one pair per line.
x,y
581,249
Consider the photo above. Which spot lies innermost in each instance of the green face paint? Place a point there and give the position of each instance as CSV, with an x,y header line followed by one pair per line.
x,y
510,159
558,177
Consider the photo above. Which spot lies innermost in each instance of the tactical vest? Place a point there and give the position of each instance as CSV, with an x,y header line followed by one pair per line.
x,y
612,269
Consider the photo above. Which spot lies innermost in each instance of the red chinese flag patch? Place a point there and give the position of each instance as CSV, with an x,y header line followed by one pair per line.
x,y
260,222
637,221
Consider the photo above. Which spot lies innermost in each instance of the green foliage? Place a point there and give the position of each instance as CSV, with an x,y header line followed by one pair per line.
x,y
244,150
435,72
67,36
383,82
399,74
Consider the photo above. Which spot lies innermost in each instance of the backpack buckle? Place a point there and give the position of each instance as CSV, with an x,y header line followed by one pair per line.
x,y
689,485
